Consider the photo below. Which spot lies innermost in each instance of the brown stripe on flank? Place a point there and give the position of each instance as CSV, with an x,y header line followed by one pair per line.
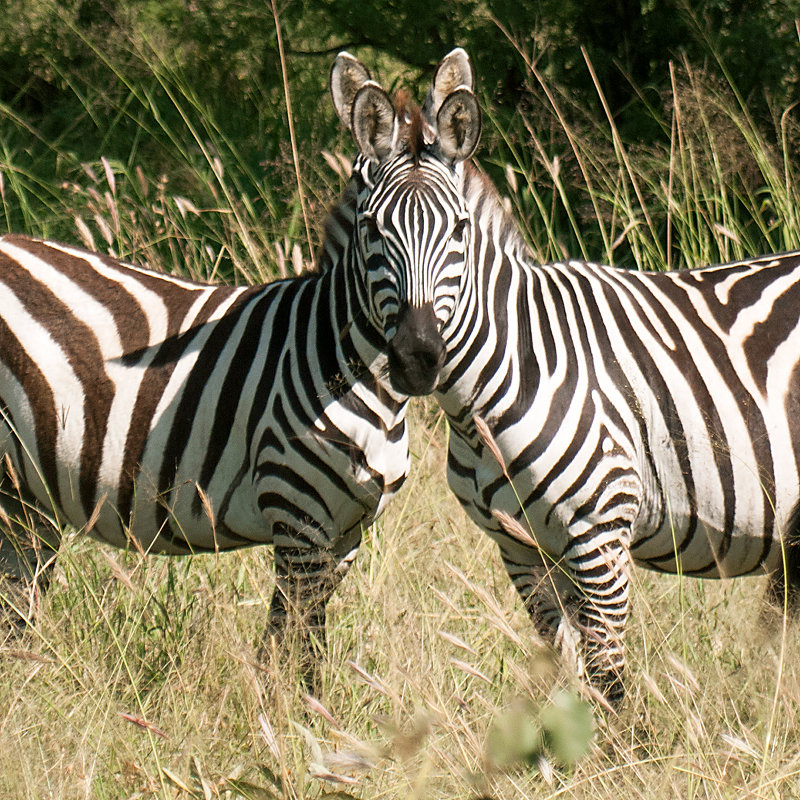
x,y
84,355
131,322
80,345
151,389
178,294
131,319
40,397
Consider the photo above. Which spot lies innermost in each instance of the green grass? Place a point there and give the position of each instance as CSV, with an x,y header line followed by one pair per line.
x,y
139,678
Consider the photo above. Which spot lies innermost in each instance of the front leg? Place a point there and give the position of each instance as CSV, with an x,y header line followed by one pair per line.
x,y
306,576
599,560
579,603
548,593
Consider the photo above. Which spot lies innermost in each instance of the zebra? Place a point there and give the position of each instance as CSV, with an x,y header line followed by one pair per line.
x,y
598,417
179,417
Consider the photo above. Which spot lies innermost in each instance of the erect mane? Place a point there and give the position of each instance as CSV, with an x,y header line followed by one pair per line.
x,y
492,210
410,117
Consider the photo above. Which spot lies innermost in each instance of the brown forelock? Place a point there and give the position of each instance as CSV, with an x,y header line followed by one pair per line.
x,y
404,107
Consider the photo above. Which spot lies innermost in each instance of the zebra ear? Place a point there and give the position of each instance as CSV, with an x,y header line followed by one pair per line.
x,y
348,75
372,122
454,71
459,125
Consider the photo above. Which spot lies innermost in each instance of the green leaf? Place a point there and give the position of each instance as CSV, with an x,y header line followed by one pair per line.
x,y
515,736
567,727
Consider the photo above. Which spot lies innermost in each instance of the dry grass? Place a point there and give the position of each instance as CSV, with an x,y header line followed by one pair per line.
x,y
139,679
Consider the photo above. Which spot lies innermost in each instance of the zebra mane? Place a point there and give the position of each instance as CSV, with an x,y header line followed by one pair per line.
x,y
494,211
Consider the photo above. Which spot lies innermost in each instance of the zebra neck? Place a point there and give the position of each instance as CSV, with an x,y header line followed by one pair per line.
x,y
490,342
361,345
361,341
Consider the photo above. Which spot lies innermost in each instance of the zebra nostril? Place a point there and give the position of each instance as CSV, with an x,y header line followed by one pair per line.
x,y
427,359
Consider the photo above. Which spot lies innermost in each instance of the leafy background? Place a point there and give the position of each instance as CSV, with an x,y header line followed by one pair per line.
x,y
147,84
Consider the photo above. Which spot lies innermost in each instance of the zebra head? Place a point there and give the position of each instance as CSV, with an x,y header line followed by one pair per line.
x,y
412,224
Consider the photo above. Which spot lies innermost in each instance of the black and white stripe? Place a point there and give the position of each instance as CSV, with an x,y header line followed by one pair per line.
x,y
640,417
192,418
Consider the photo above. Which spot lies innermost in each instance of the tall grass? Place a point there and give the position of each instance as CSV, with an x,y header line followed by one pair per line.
x,y
717,187
139,677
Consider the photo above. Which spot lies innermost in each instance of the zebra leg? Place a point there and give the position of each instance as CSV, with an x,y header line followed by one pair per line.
x,y
549,598
783,589
28,547
305,580
602,575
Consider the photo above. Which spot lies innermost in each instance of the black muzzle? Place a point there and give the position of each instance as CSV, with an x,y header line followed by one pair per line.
x,y
416,352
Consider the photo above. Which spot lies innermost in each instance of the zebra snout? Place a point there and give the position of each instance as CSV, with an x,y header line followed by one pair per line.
x,y
416,351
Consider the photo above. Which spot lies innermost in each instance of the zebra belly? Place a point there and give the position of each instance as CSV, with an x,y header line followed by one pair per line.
x,y
745,553
718,531
721,487
190,518
725,512
305,480
176,522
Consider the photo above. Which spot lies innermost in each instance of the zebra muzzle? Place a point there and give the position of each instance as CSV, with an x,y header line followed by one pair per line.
x,y
416,352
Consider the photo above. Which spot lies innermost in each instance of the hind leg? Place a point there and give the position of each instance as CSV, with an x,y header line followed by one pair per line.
x,y
28,547
783,589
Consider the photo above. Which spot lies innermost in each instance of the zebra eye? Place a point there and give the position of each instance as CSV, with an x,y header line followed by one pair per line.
x,y
369,224
460,228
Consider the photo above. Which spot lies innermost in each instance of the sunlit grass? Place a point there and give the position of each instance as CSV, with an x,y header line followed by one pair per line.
x,y
140,678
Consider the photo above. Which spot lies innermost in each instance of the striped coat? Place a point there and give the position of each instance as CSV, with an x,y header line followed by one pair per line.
x,y
598,417
638,417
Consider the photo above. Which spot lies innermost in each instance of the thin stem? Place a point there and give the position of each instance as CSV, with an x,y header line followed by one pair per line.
x,y
295,159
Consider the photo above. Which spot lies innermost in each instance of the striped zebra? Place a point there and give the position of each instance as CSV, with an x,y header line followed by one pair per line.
x,y
182,418
598,416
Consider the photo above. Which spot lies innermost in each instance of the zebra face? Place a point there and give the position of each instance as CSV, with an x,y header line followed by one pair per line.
x,y
413,239
412,226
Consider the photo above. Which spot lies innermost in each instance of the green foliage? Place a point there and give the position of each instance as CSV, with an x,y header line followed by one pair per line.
x,y
54,53
516,737
630,42
597,113
193,96
567,727
561,729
